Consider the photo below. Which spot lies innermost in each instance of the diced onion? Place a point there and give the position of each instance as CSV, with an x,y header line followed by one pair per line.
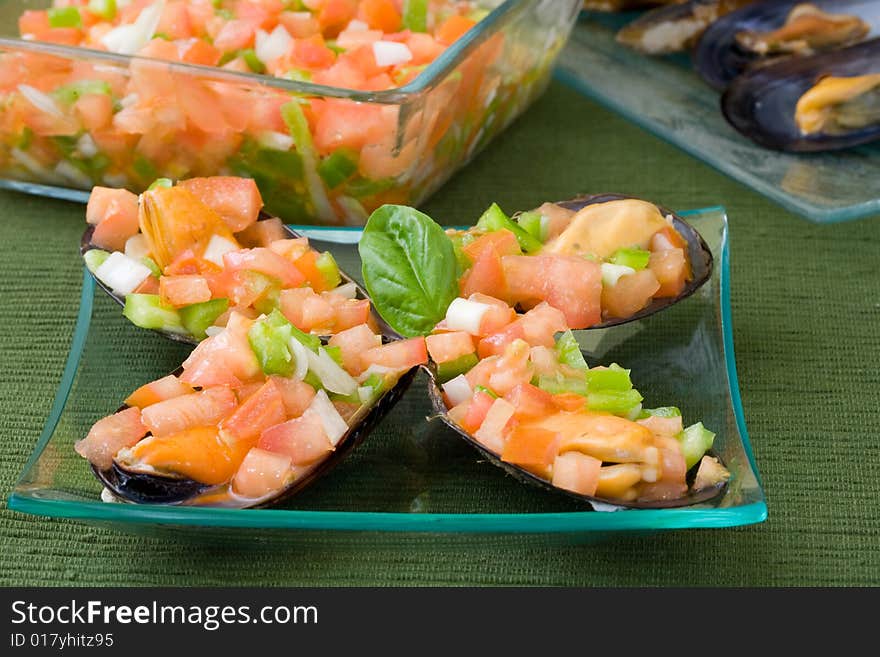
x,y
332,376
458,390
73,175
211,331
269,46
612,273
41,101
465,315
347,291
86,146
301,357
121,273
137,246
357,26
391,53
334,425
128,39
380,370
277,141
217,246
365,394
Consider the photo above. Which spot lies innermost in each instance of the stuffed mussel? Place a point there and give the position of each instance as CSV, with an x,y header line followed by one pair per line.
x,y
181,259
819,103
512,380
767,31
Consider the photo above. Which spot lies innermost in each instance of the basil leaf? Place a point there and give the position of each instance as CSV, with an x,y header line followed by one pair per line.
x,y
409,268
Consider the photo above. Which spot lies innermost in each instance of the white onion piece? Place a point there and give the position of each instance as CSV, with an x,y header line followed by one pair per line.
x,y
391,53
73,175
332,376
86,145
465,315
269,46
612,273
137,246
458,390
347,291
277,141
41,101
128,39
217,246
211,331
334,425
357,26
121,273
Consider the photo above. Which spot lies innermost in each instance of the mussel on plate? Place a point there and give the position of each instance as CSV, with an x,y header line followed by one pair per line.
x,y
758,35
823,102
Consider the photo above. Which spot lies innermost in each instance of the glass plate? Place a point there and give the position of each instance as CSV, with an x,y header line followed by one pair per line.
x,y
411,475
666,97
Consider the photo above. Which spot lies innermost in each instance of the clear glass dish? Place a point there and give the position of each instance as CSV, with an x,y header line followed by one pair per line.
x,y
667,98
412,475
421,132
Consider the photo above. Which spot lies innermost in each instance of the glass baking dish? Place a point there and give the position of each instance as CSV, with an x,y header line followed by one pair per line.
x,y
411,475
225,122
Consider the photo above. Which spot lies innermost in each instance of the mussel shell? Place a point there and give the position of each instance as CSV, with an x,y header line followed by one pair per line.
x,y
719,59
761,104
146,488
86,245
436,396
699,255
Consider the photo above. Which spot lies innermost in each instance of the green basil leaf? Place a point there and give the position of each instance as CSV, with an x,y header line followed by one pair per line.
x,y
409,268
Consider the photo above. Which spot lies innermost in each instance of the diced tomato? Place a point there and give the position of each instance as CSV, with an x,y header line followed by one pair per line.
x,y
312,52
175,21
476,411
503,242
570,283
305,309
261,473
400,355
290,249
266,262
296,395
303,439
110,434
236,34
537,327
243,392
503,373
531,448
307,266
224,359
299,24
197,51
497,317
424,48
33,21
350,124
496,426
458,413
348,312
106,202
569,401
184,290
630,294
187,262
352,343
154,392
150,285
335,14
380,15
576,472
671,269
667,238
262,233
444,347
95,111
486,275
236,200
178,414
530,401
452,29
262,410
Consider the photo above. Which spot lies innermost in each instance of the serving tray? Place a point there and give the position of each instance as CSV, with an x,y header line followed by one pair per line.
x,y
412,475
666,97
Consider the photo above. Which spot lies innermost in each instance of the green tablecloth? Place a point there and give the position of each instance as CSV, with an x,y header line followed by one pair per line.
x,y
806,312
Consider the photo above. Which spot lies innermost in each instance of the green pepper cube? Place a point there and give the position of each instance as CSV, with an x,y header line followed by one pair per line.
x,y
64,17
695,441
415,15
569,351
160,182
534,224
635,258
495,219
559,384
613,378
253,62
269,339
150,312
452,368
338,167
69,93
94,258
197,317
150,264
662,411
106,9
617,402
326,264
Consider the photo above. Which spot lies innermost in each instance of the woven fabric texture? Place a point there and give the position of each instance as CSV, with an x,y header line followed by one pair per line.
x,y
806,314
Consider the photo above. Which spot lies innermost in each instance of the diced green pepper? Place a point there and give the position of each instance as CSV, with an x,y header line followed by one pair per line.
x,y
613,379
459,241
663,411
338,167
618,402
335,353
695,441
269,339
533,223
106,9
635,258
326,264
556,385
569,351
361,187
495,219
64,17
24,139
452,368
415,15
144,169
69,93
150,312
298,126
312,342
486,390
197,317
312,379
150,264
335,47
160,182
253,62
94,258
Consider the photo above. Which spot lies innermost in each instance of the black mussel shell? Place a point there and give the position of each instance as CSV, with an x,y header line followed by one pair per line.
x,y
698,253
761,104
719,59
436,396
145,488
86,245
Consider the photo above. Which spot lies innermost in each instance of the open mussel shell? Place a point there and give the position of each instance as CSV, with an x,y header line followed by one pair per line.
x,y
699,255
439,407
86,245
151,488
761,104
719,59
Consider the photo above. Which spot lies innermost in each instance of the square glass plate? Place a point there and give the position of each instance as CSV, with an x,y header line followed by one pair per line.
x,y
411,475
667,98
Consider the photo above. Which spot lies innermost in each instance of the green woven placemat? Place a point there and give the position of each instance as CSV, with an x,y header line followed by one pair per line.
x,y
806,311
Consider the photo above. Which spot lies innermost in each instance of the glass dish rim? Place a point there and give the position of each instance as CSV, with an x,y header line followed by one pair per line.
x,y
263,519
427,79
